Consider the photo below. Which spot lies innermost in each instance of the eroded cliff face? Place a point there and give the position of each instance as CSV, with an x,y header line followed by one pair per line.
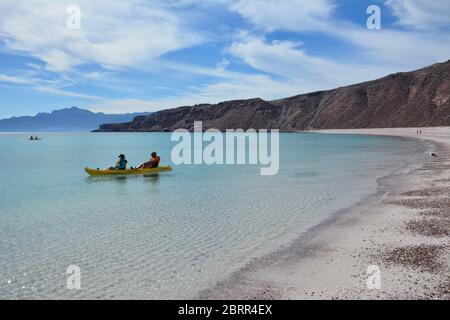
x,y
418,98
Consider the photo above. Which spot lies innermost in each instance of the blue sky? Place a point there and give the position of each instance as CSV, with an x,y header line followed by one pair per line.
x,y
150,55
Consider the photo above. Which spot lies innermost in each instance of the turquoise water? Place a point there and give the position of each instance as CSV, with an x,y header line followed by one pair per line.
x,y
170,235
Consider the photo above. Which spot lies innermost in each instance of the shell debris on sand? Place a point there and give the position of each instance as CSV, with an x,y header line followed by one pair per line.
x,y
429,227
444,290
444,191
436,203
437,213
424,257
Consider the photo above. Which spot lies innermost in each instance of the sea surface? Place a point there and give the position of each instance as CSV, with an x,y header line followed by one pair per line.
x,y
166,236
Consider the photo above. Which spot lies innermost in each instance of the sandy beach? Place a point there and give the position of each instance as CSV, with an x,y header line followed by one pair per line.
x,y
403,231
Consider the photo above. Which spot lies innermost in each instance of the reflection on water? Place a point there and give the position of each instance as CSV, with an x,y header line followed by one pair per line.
x,y
152,178
119,179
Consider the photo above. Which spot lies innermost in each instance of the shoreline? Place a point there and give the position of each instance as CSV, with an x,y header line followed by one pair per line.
x,y
403,229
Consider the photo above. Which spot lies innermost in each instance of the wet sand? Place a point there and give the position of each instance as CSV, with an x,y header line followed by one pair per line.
x,y
404,230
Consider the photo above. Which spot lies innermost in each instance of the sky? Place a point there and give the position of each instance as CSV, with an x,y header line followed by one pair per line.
x,y
146,55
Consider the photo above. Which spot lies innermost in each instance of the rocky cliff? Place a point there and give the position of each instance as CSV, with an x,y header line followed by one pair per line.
x,y
418,98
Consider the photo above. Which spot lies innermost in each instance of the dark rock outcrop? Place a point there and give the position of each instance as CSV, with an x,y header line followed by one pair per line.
x,y
408,99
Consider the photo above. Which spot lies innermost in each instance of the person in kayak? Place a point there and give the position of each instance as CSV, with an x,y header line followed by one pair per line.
x,y
121,164
152,163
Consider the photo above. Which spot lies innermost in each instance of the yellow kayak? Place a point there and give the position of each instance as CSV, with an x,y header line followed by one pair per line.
x,y
95,172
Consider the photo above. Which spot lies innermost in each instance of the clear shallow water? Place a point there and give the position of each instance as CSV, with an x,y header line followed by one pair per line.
x,y
170,235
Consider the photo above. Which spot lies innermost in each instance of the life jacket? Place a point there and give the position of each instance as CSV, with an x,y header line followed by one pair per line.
x,y
155,161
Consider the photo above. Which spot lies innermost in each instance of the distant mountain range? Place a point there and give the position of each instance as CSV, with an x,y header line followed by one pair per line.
x,y
407,99
69,119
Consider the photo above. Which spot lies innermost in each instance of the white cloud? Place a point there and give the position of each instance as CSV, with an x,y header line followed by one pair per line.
x,y
398,50
270,15
230,85
60,92
420,14
113,33
248,86
288,59
14,79
233,86
124,106
385,47
43,85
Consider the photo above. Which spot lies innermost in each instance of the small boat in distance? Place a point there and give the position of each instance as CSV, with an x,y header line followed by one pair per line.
x,y
98,172
34,138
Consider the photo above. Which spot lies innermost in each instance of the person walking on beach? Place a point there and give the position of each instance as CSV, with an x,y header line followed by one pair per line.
x,y
152,163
